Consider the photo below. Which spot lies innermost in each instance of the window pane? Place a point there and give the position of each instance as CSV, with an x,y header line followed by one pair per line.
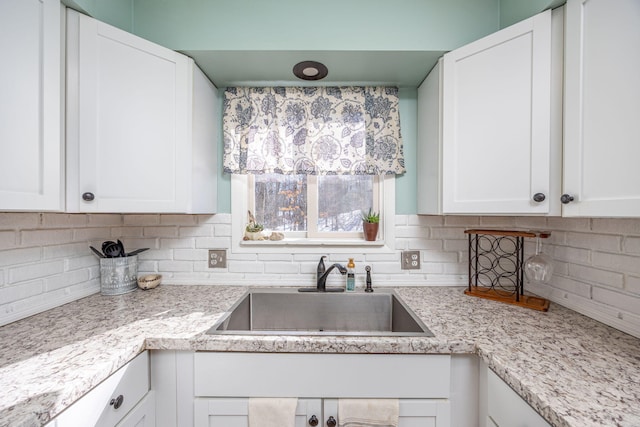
x,y
341,200
281,201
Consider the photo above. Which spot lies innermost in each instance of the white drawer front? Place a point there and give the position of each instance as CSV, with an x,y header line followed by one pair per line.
x,y
326,375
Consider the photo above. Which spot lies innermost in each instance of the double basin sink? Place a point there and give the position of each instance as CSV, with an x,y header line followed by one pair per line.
x,y
288,312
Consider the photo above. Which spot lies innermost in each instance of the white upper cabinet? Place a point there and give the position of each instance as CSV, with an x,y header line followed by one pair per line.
x,y
499,131
31,150
602,108
141,125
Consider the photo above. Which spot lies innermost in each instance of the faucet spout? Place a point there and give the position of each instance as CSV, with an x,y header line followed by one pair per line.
x,y
322,279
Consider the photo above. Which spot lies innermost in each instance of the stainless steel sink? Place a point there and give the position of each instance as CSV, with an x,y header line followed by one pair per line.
x,y
288,312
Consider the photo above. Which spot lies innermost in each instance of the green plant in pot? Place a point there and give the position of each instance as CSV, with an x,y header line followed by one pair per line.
x,y
370,224
253,230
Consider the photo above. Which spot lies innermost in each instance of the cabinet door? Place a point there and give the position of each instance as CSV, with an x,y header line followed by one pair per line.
x,y
143,415
229,412
506,408
497,142
31,164
128,121
602,104
412,412
98,408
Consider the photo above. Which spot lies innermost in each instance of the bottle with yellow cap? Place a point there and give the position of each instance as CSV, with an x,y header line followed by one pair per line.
x,y
351,276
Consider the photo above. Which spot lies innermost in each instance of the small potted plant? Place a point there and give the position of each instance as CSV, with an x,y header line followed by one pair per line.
x,y
253,230
370,224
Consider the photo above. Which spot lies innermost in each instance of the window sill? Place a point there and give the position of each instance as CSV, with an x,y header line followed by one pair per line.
x,y
313,243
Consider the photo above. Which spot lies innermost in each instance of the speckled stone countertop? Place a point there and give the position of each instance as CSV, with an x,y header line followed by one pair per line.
x,y
573,370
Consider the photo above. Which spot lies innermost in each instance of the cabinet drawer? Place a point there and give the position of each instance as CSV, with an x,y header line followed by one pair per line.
x,y
94,409
326,375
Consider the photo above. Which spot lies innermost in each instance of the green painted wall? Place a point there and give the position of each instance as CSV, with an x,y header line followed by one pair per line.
x,y
118,13
305,25
512,11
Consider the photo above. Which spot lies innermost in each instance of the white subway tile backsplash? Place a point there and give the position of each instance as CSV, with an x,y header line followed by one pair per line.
x,y
10,294
622,226
35,271
145,220
162,231
594,275
632,284
616,262
618,300
601,242
18,221
19,256
45,258
7,239
45,237
632,245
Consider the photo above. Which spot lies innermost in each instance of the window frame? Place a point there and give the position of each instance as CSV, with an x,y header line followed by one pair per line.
x,y
240,205
313,210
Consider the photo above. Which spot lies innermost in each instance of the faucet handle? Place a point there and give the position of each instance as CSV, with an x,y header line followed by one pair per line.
x,y
321,268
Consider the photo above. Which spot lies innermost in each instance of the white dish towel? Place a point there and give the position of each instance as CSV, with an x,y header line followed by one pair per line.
x,y
368,412
272,412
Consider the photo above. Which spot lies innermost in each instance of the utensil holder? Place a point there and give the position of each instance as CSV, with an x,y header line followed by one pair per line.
x,y
118,275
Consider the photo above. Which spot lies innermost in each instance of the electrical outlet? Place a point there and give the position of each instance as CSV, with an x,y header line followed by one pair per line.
x,y
217,258
410,260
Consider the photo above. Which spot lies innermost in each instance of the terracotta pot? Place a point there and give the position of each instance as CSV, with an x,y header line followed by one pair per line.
x,y
370,230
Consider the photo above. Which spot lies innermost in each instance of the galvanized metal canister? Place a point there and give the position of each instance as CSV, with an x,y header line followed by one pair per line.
x,y
118,275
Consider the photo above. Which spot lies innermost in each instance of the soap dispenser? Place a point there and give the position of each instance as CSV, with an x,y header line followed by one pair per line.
x,y
351,276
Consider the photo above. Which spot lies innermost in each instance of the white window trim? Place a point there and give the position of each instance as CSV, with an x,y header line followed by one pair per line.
x,y
384,244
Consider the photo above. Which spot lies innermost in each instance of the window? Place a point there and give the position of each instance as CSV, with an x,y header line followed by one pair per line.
x,y
313,206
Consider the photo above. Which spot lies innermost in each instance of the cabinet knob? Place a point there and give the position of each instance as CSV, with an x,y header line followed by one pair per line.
x,y
331,422
88,197
566,198
313,421
117,402
539,197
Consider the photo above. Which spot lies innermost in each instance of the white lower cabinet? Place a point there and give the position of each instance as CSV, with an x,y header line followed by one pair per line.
x,y
122,400
421,382
503,407
233,412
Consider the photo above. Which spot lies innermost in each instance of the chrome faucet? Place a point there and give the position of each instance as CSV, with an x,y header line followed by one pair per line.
x,y
321,277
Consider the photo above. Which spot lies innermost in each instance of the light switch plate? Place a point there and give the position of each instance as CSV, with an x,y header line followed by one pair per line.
x,y
217,258
410,260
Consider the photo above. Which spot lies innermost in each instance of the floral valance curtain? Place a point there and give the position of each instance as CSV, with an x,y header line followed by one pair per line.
x,y
312,131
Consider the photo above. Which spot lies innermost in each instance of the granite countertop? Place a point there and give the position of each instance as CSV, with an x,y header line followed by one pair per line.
x,y
573,370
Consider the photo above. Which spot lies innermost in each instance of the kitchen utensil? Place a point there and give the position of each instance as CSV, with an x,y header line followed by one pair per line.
x,y
97,252
121,248
111,249
137,251
539,267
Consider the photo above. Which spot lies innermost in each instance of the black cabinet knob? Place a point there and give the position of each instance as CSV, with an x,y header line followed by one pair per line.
x,y
117,402
313,421
539,197
88,197
331,422
566,198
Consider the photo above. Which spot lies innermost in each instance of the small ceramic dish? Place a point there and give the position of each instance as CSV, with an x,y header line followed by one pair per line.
x,y
149,281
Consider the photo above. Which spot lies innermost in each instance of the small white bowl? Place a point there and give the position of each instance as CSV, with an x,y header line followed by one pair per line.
x,y
149,281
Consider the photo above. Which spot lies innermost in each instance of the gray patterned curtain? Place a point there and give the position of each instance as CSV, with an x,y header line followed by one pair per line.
x,y
312,131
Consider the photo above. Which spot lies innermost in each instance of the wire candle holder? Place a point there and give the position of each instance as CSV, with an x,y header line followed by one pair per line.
x,y
496,270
